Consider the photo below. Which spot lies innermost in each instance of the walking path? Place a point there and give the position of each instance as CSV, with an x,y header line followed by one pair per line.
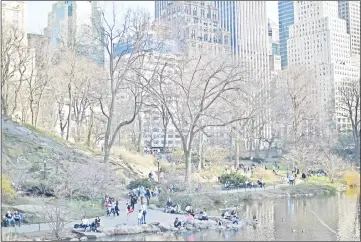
x,y
105,221
152,215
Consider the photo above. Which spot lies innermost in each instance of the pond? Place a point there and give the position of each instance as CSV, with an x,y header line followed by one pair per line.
x,y
317,218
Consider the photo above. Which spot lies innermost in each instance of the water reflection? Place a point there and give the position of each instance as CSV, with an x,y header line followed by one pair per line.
x,y
325,218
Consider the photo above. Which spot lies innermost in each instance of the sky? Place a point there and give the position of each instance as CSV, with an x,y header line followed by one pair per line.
x,y
37,12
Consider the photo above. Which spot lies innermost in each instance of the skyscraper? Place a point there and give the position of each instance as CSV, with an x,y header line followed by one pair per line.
x,y
274,48
350,12
72,23
319,40
227,11
286,15
195,25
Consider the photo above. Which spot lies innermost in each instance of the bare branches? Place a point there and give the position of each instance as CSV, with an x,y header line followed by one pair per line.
x,y
349,107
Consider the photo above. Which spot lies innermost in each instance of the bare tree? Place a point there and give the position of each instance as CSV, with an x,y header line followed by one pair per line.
x,y
349,105
126,48
194,89
55,214
334,165
296,92
15,60
38,79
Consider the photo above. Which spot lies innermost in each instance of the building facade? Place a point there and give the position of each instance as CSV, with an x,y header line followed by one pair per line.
x,y
274,48
14,13
319,40
286,15
76,23
350,12
195,25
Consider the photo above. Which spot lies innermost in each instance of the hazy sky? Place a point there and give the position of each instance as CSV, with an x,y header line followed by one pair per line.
x,y
38,12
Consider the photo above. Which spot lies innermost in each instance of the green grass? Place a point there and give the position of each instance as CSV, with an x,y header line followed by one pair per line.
x,y
325,181
44,133
61,140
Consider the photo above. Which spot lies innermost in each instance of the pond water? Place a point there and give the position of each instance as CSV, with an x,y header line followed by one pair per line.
x,y
317,218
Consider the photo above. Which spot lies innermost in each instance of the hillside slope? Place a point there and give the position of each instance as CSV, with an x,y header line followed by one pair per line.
x,y
24,150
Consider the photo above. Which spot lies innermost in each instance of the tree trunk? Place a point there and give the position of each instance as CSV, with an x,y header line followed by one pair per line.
x,y
237,143
200,152
107,132
90,129
31,111
165,138
78,129
188,160
69,111
139,145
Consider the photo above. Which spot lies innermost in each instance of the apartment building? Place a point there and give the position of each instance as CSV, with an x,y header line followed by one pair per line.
x,y
319,40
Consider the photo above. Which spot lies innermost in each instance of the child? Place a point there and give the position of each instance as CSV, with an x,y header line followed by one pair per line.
x,y
140,217
129,210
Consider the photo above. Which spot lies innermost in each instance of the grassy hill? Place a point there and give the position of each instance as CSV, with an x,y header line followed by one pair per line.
x,y
25,148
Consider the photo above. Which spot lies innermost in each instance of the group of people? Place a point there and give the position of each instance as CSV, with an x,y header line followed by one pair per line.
x,y
10,219
112,206
232,216
190,218
93,226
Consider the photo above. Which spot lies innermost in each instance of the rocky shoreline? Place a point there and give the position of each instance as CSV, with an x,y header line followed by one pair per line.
x,y
158,227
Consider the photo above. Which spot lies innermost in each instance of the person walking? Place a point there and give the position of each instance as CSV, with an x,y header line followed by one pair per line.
x,y
116,208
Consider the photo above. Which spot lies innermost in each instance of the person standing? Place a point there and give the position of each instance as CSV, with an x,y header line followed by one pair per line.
x,y
129,210
140,216
112,211
116,208
144,212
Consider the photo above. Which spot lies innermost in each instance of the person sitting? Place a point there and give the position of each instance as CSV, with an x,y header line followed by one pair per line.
x,y
219,222
169,203
97,223
10,219
177,223
203,215
17,218
226,215
261,183
235,219
189,220
84,223
92,226
188,209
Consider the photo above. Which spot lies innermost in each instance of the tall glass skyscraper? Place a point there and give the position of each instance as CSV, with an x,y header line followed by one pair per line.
x,y
227,17
286,17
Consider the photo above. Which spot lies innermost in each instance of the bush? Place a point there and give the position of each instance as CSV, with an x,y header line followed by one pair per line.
x,y
141,183
352,179
233,178
8,191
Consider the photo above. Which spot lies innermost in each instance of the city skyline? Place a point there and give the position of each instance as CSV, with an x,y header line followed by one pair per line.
x,y
37,12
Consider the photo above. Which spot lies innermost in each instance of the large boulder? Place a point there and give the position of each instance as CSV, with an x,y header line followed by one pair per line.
x,y
166,227
149,228
198,224
74,239
84,238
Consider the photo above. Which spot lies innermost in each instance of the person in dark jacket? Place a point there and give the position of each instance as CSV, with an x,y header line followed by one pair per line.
x,y
177,223
116,209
